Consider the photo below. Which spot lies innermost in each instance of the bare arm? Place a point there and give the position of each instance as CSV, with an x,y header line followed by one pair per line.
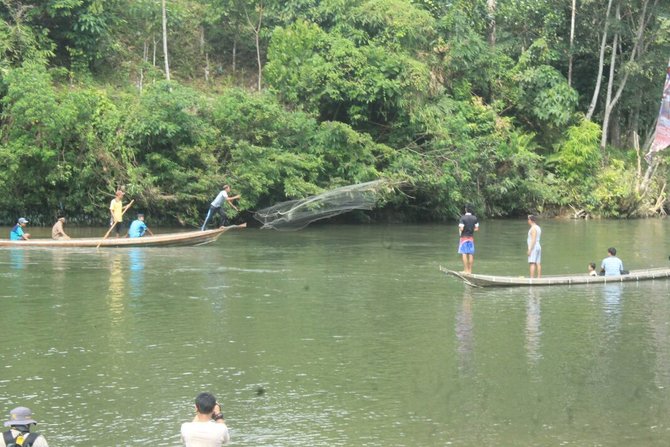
x,y
230,201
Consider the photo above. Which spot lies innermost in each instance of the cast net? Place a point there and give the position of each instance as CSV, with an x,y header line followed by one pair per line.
x,y
297,214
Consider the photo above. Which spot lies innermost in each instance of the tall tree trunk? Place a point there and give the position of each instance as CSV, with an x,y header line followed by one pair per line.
x,y
204,52
610,86
165,43
572,40
601,64
635,53
256,28
235,53
491,6
145,57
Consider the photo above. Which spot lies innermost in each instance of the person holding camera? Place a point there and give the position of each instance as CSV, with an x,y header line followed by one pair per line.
x,y
208,428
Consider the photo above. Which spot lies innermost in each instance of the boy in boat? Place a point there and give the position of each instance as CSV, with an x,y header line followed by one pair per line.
x,y
592,269
466,245
138,227
217,206
17,233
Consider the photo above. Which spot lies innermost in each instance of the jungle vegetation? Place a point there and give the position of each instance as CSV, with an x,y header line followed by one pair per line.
x,y
515,106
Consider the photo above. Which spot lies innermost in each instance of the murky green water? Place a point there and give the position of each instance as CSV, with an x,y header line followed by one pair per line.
x,y
341,336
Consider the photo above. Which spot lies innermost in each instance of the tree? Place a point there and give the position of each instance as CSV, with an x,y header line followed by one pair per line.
x,y
165,40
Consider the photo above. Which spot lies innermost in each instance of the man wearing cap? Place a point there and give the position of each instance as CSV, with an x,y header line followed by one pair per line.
x,y
20,421
116,211
57,231
17,233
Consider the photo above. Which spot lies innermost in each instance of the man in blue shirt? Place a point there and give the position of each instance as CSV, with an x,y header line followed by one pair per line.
x,y
611,265
17,233
138,227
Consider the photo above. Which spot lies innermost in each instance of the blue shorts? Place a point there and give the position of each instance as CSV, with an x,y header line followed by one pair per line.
x,y
466,247
535,256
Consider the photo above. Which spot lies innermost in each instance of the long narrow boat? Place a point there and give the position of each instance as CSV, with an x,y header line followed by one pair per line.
x,y
189,238
477,280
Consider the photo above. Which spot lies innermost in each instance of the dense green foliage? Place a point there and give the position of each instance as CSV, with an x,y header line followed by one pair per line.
x,y
463,101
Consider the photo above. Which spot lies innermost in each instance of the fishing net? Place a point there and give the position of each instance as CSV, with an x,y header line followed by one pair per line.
x,y
297,214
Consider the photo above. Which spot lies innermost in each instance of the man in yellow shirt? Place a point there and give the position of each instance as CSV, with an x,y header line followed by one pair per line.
x,y
116,211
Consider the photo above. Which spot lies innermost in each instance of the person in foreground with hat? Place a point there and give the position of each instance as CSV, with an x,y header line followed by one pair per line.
x,y
17,233
208,428
20,421
57,231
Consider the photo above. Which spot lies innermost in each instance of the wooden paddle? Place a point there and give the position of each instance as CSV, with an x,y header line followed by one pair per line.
x,y
113,225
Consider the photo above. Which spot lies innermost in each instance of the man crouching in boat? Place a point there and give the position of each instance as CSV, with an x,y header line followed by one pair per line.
x,y
17,233
57,231
138,228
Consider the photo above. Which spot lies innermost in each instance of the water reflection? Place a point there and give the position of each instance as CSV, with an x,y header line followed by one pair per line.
x,y
612,307
17,258
116,284
533,328
465,332
136,258
659,315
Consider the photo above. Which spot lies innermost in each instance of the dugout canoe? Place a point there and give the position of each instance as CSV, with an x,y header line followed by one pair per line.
x,y
189,238
477,280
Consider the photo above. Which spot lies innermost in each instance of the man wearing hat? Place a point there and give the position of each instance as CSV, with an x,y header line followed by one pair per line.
x,y
17,233
20,421
57,231
116,210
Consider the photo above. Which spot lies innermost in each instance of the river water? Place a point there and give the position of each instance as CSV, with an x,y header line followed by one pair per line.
x,y
341,336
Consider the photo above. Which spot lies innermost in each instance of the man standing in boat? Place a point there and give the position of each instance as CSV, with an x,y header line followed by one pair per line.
x,y
534,248
217,206
466,246
116,210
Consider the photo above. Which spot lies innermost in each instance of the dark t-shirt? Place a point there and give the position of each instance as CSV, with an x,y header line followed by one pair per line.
x,y
469,221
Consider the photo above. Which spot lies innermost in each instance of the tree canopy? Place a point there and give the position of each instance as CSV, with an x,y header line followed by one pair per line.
x,y
514,106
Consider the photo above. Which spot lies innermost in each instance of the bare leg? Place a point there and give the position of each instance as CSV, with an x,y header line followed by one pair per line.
x,y
539,269
532,269
465,263
471,262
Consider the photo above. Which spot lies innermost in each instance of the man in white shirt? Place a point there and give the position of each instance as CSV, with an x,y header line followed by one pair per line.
x,y
208,428
217,206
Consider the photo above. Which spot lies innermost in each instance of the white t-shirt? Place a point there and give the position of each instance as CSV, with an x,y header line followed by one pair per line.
x,y
39,442
204,434
220,198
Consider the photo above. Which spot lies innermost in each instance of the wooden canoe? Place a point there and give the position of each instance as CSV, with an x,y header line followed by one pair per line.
x,y
477,280
189,238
